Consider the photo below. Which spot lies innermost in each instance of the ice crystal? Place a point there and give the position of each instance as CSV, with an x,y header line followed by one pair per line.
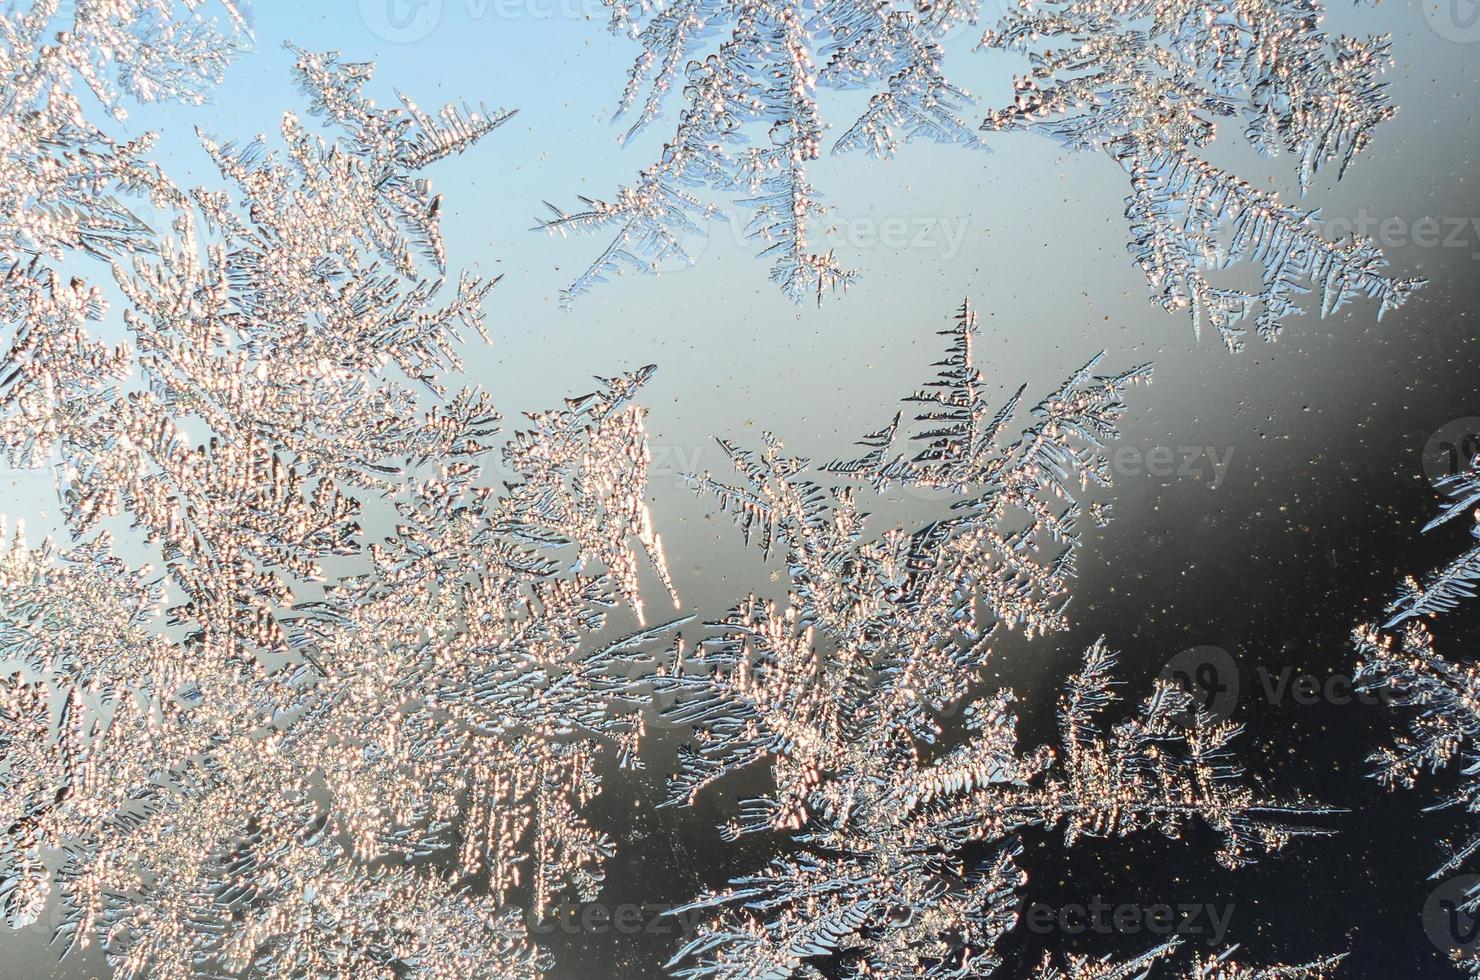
x,y
210,767
752,121
62,173
841,690
1217,966
1146,82
1440,694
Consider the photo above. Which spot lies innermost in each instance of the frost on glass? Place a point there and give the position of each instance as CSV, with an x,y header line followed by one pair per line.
x,y
751,122
841,689
1437,694
1145,82
233,720
63,173
1215,966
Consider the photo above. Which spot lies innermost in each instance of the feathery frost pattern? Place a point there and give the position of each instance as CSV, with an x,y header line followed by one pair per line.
x,y
1439,695
842,688
226,760
1144,81
1219,966
62,172
752,121
239,737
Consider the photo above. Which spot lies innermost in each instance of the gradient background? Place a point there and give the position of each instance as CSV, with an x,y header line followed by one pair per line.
x,y
1313,523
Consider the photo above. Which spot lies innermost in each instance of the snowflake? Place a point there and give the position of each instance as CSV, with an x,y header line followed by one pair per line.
x,y
1143,81
842,689
1400,661
238,762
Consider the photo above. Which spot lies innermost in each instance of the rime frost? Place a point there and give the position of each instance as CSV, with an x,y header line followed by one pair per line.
x,y
841,690
225,759
1144,81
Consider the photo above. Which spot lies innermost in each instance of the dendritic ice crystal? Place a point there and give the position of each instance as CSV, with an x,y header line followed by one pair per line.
x,y
752,121
230,719
905,844
1217,966
1439,695
1146,82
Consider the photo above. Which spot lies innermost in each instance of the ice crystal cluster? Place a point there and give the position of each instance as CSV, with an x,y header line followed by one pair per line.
x,y
241,734
1440,695
905,851
1218,966
230,720
752,121
1145,82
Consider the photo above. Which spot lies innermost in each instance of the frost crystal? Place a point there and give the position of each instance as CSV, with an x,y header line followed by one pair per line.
x,y
1144,81
1220,966
1147,81
61,172
842,689
762,81
1399,660
231,764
